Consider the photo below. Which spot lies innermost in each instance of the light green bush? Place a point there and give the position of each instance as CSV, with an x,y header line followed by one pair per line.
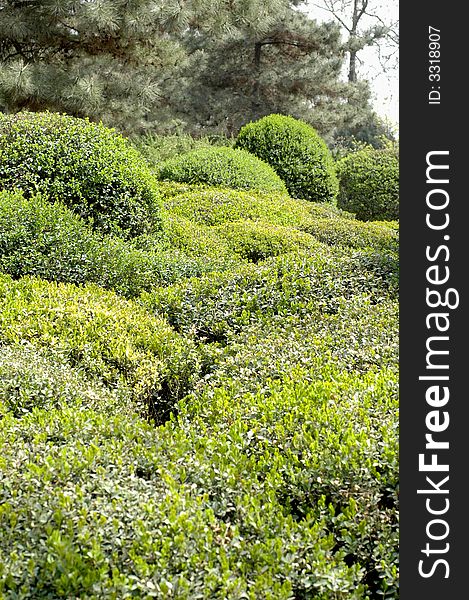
x,y
33,379
369,184
217,206
88,167
355,234
226,167
297,154
108,337
218,304
240,496
326,223
256,240
361,336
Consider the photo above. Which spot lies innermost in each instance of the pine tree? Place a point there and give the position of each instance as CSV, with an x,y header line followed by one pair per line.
x,y
209,65
292,67
100,58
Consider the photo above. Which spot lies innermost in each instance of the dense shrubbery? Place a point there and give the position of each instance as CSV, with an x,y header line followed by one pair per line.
x,y
217,206
102,334
265,495
369,184
32,379
256,241
296,152
356,234
360,336
88,167
268,327
47,240
226,167
297,283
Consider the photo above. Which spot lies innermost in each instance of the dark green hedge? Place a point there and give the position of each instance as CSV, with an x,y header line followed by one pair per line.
x,y
221,166
88,167
296,152
369,184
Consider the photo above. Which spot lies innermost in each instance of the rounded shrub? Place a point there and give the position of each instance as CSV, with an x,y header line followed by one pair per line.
x,y
297,154
217,206
369,184
226,167
108,339
88,167
256,240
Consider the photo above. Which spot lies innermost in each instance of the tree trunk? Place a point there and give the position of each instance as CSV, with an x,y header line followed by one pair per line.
x,y
256,102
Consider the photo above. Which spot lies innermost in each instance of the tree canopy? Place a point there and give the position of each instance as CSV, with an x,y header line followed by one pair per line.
x,y
159,64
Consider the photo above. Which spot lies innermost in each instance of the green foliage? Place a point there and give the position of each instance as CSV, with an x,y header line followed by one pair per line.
x,y
171,66
196,240
355,234
91,169
159,148
32,379
47,240
360,336
231,435
232,168
296,152
369,184
333,443
218,304
256,241
264,495
216,206
96,331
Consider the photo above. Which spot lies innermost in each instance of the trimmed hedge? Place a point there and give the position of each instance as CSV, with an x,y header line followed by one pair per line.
x,y
47,240
39,379
297,154
267,462
218,304
361,336
326,223
88,167
195,239
355,234
369,184
265,496
217,206
107,337
257,241
228,167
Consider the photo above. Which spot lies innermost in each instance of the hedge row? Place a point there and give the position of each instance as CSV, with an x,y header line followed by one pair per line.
x,y
47,240
107,337
287,495
227,167
295,283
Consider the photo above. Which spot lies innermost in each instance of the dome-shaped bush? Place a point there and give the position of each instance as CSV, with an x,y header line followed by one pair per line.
x,y
296,152
222,166
369,184
88,167
256,241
